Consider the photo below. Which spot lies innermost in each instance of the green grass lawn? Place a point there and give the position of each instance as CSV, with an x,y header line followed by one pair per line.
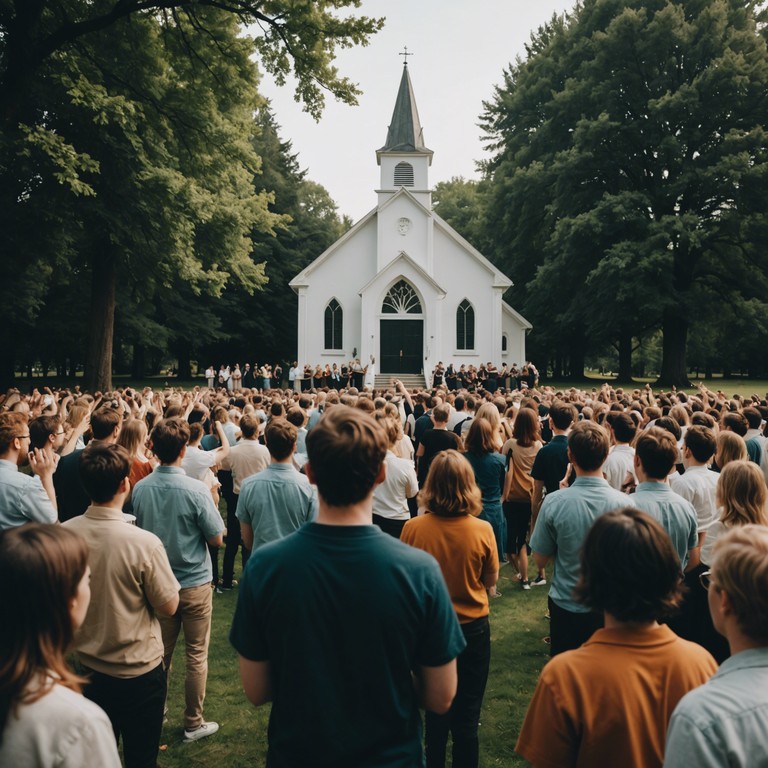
x,y
518,654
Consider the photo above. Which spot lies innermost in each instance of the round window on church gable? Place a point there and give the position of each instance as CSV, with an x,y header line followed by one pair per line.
x,y
401,299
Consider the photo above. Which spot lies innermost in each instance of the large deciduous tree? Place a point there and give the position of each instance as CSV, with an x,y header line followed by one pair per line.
x,y
126,152
630,165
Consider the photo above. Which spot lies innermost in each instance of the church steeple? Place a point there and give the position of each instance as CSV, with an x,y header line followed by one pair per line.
x,y
404,159
405,133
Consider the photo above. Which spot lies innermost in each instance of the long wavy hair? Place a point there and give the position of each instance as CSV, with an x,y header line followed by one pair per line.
x,y
41,567
450,489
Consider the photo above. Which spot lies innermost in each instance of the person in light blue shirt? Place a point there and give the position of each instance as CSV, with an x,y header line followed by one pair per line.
x,y
655,457
180,511
279,499
561,527
725,721
24,499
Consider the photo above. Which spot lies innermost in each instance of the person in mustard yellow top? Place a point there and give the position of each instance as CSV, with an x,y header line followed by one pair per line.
x,y
465,548
610,701
520,451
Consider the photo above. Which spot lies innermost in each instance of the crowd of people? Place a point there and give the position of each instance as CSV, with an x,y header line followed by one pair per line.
x,y
371,526
486,377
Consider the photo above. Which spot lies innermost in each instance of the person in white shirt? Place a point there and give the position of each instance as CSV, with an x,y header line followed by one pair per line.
x,y
390,498
699,486
45,721
620,461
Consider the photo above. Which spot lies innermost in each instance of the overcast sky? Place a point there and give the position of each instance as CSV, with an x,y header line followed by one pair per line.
x,y
460,49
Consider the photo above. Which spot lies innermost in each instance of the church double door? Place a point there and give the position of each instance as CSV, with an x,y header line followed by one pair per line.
x,y
401,346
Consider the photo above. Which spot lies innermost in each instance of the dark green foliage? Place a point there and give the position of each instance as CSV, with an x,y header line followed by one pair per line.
x,y
628,184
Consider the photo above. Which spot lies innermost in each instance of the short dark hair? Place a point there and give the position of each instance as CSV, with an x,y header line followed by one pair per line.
x,y
169,438
104,422
736,422
657,450
280,437
701,442
754,417
296,416
629,568
623,426
346,450
671,425
562,414
589,445
41,428
249,426
102,469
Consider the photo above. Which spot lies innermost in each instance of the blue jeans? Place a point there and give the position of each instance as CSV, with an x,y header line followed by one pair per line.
x,y
463,717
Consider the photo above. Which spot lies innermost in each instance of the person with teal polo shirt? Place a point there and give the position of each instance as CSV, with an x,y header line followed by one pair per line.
x,y
179,510
563,523
345,629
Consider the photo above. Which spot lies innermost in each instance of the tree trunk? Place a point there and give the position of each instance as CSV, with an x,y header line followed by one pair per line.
x,y
98,369
673,368
625,355
577,354
184,369
139,361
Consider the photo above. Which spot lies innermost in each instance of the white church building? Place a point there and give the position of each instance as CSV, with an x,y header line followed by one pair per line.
x,y
401,285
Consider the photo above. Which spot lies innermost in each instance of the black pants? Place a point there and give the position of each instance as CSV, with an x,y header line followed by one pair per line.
x,y
392,527
233,540
569,630
134,706
694,622
463,717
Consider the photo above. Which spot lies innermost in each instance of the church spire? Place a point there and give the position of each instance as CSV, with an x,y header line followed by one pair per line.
x,y
405,133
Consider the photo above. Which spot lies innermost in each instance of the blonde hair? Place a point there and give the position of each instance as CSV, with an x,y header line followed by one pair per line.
x,y
730,447
391,427
132,436
740,568
450,489
742,493
490,413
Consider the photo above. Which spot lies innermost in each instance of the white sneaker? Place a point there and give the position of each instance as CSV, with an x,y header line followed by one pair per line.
x,y
203,730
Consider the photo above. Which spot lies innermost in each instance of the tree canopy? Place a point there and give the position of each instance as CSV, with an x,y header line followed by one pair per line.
x,y
129,158
627,189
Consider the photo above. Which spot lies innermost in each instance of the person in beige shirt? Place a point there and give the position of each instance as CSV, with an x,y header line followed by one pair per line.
x,y
248,457
119,643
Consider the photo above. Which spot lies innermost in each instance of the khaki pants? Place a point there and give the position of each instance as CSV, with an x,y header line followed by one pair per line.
x,y
194,616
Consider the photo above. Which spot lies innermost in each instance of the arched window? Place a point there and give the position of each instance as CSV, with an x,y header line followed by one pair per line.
x,y
401,300
334,316
403,175
465,326
503,342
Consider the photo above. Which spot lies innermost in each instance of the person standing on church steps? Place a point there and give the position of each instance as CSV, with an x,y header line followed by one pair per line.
x,y
346,659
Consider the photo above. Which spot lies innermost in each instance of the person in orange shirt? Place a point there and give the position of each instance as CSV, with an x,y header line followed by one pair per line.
x,y
610,701
466,550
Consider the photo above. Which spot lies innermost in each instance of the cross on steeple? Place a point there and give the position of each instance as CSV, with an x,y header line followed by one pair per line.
x,y
405,55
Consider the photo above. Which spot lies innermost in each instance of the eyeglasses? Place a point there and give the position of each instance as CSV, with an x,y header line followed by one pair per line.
x,y
705,579
22,437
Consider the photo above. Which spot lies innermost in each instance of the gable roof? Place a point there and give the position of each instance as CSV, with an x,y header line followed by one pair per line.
x,y
403,257
300,281
500,280
516,315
